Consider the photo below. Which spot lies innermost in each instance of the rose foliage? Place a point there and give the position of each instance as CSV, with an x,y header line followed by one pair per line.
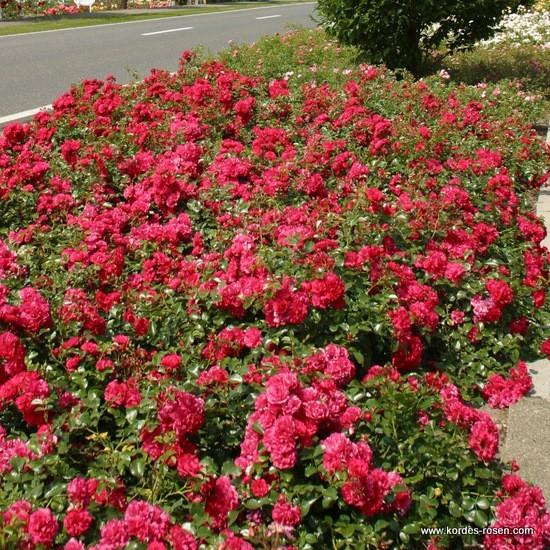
x,y
243,313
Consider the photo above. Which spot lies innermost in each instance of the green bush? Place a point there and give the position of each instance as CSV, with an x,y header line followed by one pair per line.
x,y
303,55
529,65
404,34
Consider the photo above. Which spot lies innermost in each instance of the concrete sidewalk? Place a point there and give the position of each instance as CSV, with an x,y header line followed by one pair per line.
x,y
526,426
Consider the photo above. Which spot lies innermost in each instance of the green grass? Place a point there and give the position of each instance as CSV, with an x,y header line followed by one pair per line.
x,y
88,20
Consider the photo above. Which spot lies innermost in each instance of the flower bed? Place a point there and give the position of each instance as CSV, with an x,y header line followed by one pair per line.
x,y
113,4
31,8
244,313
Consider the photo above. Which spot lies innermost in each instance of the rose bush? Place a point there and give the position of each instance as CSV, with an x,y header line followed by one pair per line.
x,y
239,312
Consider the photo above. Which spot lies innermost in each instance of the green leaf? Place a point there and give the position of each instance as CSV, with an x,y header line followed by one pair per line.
x,y
253,504
37,491
230,468
411,528
57,489
310,470
125,457
137,467
346,530
131,415
454,509
468,503
358,356
306,505
483,504
327,502
452,475
480,518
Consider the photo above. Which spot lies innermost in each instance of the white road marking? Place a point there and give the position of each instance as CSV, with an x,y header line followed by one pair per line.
x,y
268,17
31,112
23,114
166,31
19,35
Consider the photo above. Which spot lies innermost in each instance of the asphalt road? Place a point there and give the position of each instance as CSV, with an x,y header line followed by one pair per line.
x,y
37,68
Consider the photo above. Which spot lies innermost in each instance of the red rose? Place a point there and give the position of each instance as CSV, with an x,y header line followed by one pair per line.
x,y
172,361
77,522
328,291
259,487
285,514
34,311
42,527
221,498
484,439
500,292
12,356
287,307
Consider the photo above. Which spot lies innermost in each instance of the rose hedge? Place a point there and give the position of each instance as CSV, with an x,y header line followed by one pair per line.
x,y
244,313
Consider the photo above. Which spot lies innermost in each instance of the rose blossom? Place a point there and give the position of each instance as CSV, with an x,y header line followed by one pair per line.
x,y
42,527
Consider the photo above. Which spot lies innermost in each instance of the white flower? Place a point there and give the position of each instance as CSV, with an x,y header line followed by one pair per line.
x,y
524,27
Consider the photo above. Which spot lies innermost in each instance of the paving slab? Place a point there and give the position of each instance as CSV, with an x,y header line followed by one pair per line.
x,y
528,441
540,374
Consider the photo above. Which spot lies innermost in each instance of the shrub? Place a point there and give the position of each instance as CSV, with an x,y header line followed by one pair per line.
x,y
521,28
403,34
519,50
243,313
528,65
299,56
